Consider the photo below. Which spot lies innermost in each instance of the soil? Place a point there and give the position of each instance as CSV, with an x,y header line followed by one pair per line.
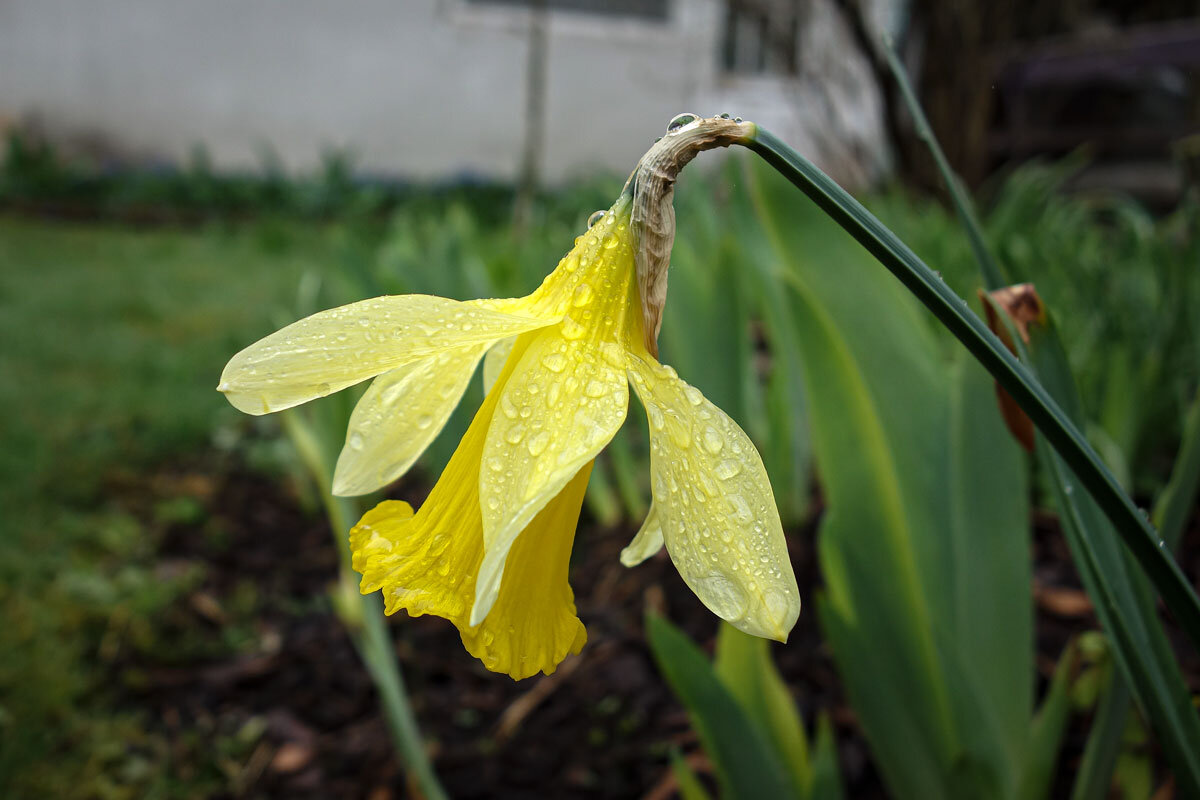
x,y
603,726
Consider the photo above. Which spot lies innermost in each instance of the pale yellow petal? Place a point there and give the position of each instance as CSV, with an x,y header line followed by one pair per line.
x,y
715,505
493,362
562,404
333,349
398,416
647,541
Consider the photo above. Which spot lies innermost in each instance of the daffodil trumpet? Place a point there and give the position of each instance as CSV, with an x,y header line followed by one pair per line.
x,y
489,548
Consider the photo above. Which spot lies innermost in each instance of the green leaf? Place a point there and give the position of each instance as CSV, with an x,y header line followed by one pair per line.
x,y
1123,601
746,765
826,777
1046,732
1171,510
1093,781
924,547
1062,434
689,784
744,665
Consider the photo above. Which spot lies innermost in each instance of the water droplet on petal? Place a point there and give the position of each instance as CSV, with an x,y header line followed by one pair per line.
x,y
727,469
713,441
356,441
515,434
538,443
596,217
693,395
507,406
555,362
583,295
595,389
679,120
424,421
656,417
572,328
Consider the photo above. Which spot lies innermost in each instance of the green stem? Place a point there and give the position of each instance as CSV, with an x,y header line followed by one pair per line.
x,y
1135,530
367,629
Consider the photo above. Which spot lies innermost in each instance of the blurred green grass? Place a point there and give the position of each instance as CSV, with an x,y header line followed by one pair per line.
x,y
113,338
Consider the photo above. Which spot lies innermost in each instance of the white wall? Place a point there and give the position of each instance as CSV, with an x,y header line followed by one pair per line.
x,y
414,88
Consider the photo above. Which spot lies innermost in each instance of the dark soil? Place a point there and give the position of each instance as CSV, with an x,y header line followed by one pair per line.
x,y
603,726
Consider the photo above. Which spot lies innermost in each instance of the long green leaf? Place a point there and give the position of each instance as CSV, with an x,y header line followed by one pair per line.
x,y
1094,778
1062,434
927,609
826,776
1046,733
743,663
746,765
1124,603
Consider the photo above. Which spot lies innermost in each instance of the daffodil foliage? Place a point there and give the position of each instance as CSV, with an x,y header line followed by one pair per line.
x,y
489,548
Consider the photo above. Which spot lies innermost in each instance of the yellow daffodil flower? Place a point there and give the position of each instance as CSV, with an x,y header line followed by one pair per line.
x,y
489,548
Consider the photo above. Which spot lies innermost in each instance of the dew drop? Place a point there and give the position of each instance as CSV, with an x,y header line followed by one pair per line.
x,y
507,406
583,295
727,469
538,443
495,464
493,502
596,217
515,434
356,441
324,389
656,417
595,389
679,120
424,421
555,362
693,395
572,328
713,442
778,607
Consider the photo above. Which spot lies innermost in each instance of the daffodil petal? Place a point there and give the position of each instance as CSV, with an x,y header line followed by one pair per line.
x,y
564,401
715,505
427,564
398,416
333,349
647,541
533,625
493,362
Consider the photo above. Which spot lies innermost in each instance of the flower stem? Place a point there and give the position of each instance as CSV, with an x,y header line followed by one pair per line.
x,y
1134,528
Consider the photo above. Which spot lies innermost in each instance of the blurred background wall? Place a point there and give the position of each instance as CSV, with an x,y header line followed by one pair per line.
x,y
436,89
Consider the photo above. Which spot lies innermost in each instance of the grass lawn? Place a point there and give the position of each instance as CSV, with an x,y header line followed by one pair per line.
x,y
113,340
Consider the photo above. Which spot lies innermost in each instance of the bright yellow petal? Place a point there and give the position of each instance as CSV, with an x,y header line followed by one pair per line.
x,y
715,505
562,405
532,627
568,393
340,347
398,416
647,541
428,563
